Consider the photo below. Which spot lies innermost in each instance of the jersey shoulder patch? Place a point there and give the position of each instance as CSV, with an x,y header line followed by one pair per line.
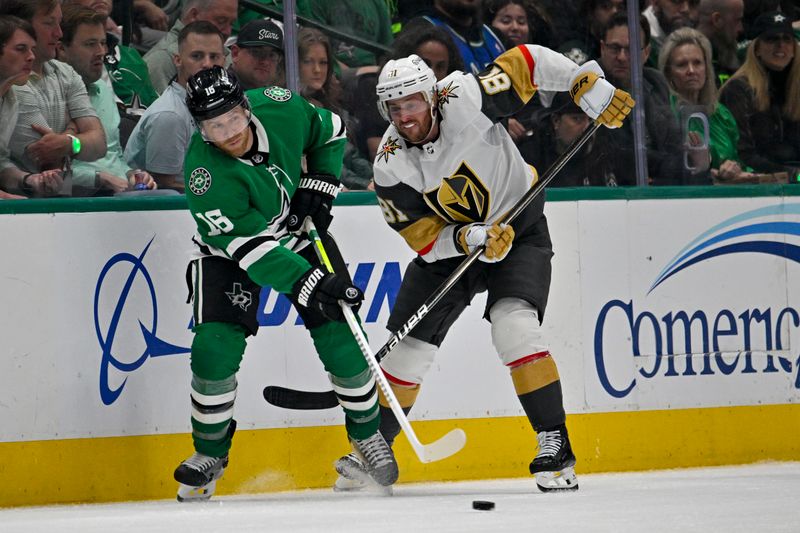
x,y
448,91
279,94
199,181
389,148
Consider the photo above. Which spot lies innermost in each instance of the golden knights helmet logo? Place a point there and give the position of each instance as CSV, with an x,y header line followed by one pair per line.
x,y
462,197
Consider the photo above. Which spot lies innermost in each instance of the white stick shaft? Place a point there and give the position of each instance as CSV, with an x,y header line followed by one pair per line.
x,y
447,445
383,383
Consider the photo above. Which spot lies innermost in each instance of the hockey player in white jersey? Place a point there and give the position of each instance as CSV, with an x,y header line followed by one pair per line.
x,y
446,173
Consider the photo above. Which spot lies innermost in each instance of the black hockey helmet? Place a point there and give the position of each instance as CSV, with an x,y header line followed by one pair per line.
x,y
213,92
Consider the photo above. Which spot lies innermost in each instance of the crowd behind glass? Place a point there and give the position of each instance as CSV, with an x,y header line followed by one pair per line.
x,y
82,114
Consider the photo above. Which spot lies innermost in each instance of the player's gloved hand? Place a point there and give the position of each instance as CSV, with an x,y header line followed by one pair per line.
x,y
497,239
598,98
323,291
313,198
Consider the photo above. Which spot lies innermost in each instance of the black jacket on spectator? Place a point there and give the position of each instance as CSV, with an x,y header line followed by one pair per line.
x,y
663,138
768,141
588,167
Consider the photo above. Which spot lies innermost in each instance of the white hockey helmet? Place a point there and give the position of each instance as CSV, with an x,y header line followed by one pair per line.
x,y
403,77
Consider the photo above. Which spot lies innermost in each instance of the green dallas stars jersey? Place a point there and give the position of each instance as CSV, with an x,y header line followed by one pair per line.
x,y
240,205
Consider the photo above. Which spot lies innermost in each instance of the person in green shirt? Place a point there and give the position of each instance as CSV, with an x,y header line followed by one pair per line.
x,y
250,196
686,63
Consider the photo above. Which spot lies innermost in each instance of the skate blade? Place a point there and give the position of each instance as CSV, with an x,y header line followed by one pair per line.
x,y
344,484
188,493
559,481
353,478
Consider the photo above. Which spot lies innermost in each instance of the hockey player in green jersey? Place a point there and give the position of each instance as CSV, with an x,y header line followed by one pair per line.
x,y
250,197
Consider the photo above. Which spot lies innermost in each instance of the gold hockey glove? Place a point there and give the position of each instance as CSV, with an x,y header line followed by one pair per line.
x,y
598,98
497,239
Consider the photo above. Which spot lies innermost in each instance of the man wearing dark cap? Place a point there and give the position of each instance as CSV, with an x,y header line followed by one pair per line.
x,y
258,55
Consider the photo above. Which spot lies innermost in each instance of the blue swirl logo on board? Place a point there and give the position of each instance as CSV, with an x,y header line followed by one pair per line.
x,y
688,343
755,231
154,347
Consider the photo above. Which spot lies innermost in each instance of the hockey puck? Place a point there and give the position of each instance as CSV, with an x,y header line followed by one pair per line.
x,y
482,505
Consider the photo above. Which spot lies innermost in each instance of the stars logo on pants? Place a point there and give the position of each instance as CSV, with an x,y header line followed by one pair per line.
x,y
240,297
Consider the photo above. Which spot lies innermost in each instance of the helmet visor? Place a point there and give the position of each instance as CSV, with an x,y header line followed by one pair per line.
x,y
403,107
226,125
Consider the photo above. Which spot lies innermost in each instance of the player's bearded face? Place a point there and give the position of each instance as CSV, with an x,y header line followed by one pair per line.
x,y
411,115
229,131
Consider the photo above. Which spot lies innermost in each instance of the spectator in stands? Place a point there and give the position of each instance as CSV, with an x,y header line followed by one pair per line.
x,y
666,16
258,55
17,42
159,59
686,63
520,21
83,46
125,69
158,142
56,121
582,42
561,124
368,19
319,86
721,22
753,8
515,19
316,68
763,96
665,165
477,43
434,45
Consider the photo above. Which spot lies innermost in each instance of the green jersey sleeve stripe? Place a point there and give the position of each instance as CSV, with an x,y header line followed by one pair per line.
x,y
238,242
338,127
249,246
257,253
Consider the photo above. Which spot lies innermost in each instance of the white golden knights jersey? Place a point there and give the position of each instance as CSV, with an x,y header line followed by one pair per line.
x,y
472,171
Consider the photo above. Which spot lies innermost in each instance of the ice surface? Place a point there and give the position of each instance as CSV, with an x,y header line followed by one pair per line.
x,y
753,498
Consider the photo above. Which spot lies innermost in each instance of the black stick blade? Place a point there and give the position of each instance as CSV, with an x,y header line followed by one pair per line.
x,y
300,399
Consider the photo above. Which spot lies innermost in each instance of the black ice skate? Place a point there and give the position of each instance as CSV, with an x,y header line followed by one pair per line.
x,y
553,466
198,476
371,462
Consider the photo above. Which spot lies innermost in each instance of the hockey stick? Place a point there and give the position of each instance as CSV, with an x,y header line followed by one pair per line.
x,y
300,399
439,449
297,399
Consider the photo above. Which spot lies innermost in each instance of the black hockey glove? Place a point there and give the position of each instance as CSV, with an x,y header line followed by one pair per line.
x,y
313,198
323,291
